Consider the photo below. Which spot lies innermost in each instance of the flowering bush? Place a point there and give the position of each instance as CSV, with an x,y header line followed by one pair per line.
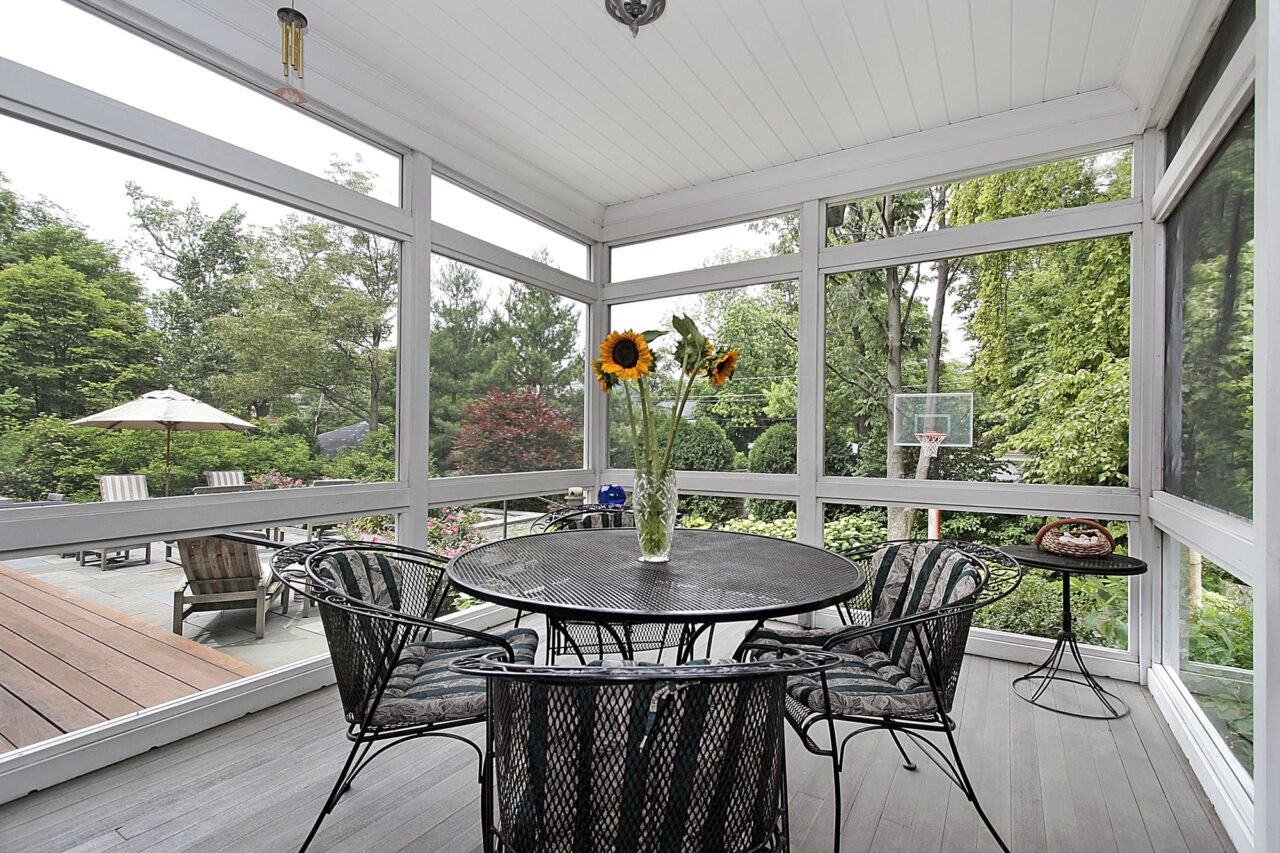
x,y
273,479
518,431
451,531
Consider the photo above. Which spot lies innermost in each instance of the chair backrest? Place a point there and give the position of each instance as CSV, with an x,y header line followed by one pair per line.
x,y
123,487
224,478
912,577
587,517
641,758
213,565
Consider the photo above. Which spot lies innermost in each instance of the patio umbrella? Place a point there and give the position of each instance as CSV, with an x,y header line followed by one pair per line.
x,y
167,410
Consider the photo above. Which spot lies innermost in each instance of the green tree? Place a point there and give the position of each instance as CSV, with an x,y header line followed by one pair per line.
x,y
205,259
73,335
463,337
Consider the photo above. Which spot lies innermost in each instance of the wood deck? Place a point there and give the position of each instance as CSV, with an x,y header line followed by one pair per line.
x,y
67,663
1052,784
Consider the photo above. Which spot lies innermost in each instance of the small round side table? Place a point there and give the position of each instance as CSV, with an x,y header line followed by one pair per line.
x,y
1032,686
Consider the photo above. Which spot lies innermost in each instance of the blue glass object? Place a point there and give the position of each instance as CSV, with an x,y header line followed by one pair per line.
x,y
612,495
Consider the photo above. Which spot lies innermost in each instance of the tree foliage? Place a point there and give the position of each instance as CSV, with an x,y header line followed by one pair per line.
x,y
508,431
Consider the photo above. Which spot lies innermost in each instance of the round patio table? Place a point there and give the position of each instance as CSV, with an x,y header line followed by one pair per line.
x,y
713,576
1031,687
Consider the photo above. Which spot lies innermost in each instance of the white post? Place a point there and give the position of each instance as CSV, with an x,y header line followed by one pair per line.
x,y
809,427
413,347
597,402
1266,428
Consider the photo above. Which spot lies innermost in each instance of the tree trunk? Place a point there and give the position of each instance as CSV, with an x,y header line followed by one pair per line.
x,y
375,385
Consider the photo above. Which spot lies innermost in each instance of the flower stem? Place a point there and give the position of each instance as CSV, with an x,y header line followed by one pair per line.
x,y
682,397
631,416
647,416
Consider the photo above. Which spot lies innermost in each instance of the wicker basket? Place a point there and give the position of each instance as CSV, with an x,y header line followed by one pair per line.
x,y
1050,538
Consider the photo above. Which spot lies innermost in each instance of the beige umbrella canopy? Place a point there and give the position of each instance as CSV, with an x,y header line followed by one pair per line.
x,y
167,410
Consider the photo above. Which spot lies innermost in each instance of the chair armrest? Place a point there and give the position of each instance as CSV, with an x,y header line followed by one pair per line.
x,y
856,631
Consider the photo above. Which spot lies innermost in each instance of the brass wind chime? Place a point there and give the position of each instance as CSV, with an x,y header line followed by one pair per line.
x,y
293,27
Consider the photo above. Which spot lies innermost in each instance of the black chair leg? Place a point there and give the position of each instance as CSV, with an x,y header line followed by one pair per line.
x,y
837,805
339,788
971,793
907,763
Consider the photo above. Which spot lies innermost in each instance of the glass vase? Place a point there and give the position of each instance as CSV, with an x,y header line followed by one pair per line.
x,y
654,500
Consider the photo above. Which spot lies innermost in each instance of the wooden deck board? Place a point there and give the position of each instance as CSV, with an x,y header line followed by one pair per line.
x,y
258,782
67,663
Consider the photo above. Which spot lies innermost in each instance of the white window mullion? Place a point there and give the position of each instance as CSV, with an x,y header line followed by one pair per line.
x,y
413,392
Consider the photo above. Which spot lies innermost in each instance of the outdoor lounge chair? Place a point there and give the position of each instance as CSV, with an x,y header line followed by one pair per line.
x,y
391,657
224,478
119,487
647,758
900,653
225,574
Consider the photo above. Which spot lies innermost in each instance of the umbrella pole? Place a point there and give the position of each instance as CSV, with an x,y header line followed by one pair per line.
x,y
168,457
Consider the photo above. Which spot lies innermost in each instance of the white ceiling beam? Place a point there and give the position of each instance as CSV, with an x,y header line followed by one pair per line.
x,y
991,143
1170,37
242,38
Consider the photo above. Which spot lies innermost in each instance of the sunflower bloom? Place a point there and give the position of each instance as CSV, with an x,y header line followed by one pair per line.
x,y
625,355
722,368
607,380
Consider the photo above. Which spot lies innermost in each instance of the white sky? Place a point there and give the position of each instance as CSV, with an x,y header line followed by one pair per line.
x,y
88,181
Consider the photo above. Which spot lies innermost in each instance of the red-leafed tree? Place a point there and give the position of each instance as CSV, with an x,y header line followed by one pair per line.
x,y
503,432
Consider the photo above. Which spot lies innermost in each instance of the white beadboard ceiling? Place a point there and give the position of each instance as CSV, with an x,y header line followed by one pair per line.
x,y
559,91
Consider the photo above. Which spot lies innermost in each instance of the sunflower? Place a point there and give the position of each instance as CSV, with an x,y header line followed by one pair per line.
x,y
607,380
707,352
625,355
722,368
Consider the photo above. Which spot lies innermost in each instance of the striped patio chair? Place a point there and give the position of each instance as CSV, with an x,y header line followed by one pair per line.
x,y
644,758
118,487
224,478
900,654
379,604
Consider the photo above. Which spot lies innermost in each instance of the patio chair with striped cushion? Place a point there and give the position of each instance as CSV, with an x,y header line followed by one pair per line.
x,y
118,487
900,653
645,758
391,655
224,478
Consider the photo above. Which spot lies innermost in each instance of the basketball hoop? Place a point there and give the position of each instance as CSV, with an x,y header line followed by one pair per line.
x,y
930,442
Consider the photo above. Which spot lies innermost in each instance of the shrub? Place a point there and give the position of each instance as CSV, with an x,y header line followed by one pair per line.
x,y
774,452
1035,608
522,430
702,445
373,460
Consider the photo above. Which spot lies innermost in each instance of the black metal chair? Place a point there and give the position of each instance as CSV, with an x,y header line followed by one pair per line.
x,y
391,657
644,758
588,640
900,650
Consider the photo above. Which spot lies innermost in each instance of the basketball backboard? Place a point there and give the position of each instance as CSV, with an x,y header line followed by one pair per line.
x,y
950,413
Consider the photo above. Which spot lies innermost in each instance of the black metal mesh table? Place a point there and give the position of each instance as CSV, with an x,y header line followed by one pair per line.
x,y
713,576
1032,686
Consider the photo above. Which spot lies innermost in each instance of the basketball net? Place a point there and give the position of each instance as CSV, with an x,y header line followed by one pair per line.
x,y
930,442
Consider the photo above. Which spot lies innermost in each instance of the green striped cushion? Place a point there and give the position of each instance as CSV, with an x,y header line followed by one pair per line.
x,y
866,684
422,689
369,576
911,578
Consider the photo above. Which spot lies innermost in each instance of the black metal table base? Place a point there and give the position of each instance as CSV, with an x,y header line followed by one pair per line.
x,y
1033,686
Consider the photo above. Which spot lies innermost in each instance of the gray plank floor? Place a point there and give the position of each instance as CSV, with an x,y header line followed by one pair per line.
x,y
1051,783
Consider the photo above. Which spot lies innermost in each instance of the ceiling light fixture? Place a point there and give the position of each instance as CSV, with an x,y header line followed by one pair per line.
x,y
635,14
293,26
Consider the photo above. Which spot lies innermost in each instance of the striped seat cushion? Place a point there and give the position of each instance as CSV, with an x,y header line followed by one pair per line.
x,y
866,684
366,575
422,689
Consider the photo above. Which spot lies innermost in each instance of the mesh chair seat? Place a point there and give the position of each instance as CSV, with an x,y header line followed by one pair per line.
x,y
423,690
866,684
